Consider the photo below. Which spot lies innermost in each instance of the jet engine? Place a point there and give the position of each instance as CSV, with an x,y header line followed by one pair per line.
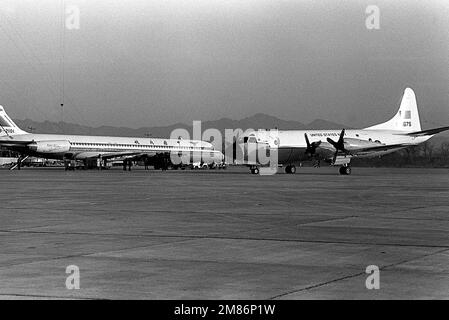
x,y
50,146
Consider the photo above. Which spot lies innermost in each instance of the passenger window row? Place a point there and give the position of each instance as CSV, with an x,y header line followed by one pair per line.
x,y
84,144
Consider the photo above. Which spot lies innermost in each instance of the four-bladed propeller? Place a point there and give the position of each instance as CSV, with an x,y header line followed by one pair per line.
x,y
339,145
311,147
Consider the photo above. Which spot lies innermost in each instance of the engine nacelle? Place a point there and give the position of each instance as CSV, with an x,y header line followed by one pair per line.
x,y
50,146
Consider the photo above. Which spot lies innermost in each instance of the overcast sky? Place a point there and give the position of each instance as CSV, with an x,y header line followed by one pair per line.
x,y
156,62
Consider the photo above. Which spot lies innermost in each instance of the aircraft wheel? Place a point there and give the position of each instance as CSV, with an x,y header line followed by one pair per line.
x,y
288,169
345,170
255,170
292,169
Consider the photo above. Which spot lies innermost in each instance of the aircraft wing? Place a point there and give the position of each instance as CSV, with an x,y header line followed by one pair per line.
x,y
328,151
354,148
429,132
380,147
125,154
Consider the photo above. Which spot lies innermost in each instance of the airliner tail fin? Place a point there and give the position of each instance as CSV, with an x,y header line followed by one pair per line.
x,y
7,126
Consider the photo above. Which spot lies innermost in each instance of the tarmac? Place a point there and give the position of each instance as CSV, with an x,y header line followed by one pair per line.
x,y
224,234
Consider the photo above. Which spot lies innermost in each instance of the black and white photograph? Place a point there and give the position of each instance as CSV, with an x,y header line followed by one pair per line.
x,y
199,151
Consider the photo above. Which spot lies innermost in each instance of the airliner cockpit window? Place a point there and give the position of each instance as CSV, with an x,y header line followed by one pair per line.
x,y
3,122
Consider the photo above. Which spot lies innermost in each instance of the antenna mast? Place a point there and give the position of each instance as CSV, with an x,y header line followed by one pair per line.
x,y
62,63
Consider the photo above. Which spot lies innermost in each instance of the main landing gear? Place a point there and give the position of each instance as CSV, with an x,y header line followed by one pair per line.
x,y
19,162
290,169
345,170
254,170
127,163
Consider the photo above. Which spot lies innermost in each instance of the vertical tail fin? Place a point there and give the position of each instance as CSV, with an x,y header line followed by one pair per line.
x,y
7,126
407,117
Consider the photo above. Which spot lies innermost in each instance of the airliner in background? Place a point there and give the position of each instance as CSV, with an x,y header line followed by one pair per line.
x,y
338,147
98,149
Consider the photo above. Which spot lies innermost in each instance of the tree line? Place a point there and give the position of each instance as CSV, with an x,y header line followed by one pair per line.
x,y
422,155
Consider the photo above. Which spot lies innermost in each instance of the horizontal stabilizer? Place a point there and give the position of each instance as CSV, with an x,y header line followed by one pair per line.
x,y
429,132
14,143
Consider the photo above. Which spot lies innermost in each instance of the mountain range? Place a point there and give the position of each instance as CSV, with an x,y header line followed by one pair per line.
x,y
257,121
